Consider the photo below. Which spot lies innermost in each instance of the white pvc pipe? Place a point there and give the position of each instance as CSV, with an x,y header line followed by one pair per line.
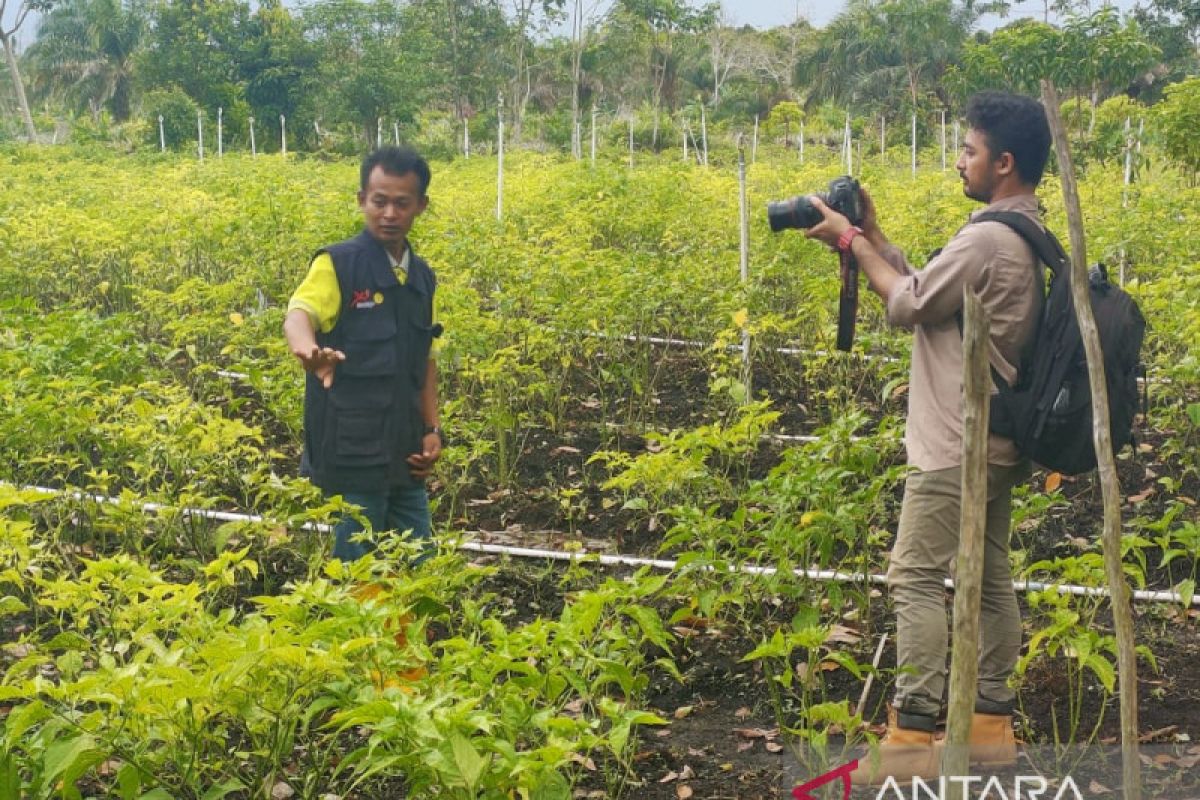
x,y
619,560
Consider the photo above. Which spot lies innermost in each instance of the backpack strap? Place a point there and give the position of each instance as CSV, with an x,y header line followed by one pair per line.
x,y
1048,250
1044,243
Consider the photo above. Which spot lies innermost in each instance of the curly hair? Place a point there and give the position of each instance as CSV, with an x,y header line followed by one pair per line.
x,y
1016,124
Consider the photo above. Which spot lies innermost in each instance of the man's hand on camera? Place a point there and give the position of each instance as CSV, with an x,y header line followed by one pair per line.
x,y
831,228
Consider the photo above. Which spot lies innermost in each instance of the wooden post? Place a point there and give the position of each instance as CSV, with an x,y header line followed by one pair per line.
x,y
744,262
968,577
253,146
1127,685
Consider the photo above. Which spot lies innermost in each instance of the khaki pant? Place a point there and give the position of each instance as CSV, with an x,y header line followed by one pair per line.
x,y
926,544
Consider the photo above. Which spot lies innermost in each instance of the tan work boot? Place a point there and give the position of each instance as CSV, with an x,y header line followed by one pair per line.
x,y
992,742
906,751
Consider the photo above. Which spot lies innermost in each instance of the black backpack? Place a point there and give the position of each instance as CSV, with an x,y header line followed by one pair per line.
x,y
1048,413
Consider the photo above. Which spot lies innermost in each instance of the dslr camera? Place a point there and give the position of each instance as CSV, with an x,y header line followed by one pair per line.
x,y
844,197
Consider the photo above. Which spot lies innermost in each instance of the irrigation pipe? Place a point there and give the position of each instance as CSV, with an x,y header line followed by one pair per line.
x,y
619,560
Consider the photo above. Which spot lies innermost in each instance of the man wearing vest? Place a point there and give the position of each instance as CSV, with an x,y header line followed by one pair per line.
x,y
362,324
1001,165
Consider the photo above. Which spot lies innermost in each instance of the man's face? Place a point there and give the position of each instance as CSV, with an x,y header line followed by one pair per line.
x,y
389,204
977,167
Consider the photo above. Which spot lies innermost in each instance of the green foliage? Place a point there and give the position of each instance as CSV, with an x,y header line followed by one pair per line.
x,y
1178,115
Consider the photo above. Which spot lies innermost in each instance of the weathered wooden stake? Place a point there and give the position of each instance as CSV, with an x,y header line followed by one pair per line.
x,y
968,577
1127,686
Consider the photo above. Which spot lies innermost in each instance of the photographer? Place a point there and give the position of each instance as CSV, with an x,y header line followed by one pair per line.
x,y
1001,165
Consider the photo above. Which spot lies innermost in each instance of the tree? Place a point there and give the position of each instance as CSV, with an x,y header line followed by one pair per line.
x,y
877,52
7,33
659,23
1179,119
86,49
195,46
372,62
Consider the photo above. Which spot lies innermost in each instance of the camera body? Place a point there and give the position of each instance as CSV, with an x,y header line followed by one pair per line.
x,y
844,196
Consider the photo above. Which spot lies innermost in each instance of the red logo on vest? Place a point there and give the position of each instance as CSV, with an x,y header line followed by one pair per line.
x,y
362,299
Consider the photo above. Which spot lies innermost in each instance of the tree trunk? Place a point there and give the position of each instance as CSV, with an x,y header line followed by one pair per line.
x,y
1106,463
15,72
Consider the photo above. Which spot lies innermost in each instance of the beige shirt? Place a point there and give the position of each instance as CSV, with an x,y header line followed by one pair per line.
x,y
1004,271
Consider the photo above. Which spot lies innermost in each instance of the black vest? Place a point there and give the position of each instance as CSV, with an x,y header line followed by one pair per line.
x,y
359,432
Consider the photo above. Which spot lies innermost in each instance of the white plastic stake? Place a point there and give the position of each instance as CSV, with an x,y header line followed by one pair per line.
x,y
955,139
744,261
499,156
253,147
200,134
379,131
704,132
630,142
220,131
162,137
685,140
914,145
883,140
466,139
282,135
846,146
593,136
802,142
396,132
943,140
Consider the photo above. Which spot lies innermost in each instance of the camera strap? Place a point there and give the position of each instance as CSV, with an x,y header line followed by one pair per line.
x,y
847,301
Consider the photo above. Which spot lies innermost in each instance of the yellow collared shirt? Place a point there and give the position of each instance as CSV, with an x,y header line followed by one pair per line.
x,y
319,296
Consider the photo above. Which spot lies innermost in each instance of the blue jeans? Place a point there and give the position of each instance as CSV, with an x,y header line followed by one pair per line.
x,y
403,508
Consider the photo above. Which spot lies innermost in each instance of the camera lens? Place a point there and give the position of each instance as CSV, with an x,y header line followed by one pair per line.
x,y
796,212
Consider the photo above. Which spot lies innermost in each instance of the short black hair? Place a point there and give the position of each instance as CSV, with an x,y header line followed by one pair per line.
x,y
1016,124
395,161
